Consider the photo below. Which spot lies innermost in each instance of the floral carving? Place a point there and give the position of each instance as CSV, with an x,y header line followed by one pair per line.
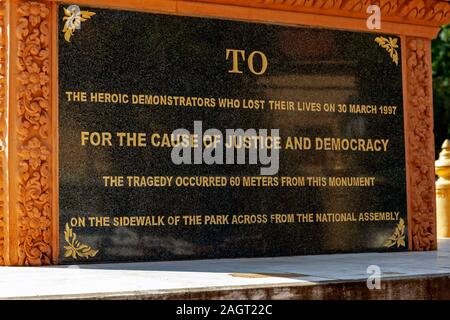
x,y
34,154
420,148
33,112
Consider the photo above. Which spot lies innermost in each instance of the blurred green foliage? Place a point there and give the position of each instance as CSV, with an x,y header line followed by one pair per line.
x,y
441,86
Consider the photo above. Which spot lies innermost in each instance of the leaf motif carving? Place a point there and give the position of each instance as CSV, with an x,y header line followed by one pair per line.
x,y
73,19
398,237
390,45
74,248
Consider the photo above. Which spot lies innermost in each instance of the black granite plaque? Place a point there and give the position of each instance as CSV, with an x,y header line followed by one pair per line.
x,y
335,96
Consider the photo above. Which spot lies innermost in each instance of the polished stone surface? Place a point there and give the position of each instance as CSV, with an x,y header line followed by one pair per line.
x,y
163,278
140,53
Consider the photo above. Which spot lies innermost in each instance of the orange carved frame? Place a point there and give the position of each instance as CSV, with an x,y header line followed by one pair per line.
x,y
29,106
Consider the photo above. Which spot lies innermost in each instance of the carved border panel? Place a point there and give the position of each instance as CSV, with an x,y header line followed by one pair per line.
x,y
32,188
420,144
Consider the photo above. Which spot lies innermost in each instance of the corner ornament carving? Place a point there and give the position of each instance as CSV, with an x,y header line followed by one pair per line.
x,y
421,145
33,125
73,18
390,45
74,248
398,237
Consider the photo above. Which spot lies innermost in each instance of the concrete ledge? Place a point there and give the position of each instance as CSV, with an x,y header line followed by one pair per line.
x,y
404,275
421,288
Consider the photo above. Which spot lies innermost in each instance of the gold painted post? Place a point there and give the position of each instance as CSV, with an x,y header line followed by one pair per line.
x,y
443,191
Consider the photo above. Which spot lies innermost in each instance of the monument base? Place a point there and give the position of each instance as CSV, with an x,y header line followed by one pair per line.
x,y
404,275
